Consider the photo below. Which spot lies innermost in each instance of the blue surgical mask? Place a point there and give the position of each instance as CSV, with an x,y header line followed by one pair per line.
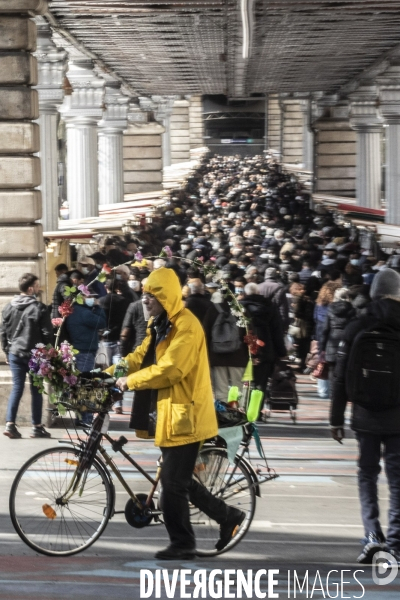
x,y
354,261
238,290
89,302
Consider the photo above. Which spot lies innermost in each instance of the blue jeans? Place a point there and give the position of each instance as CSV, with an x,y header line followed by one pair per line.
x,y
19,370
370,447
85,362
323,388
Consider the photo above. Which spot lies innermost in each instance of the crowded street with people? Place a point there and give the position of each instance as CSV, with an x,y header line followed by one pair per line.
x,y
239,238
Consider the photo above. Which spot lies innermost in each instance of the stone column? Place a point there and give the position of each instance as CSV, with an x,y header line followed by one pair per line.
x,y
111,162
292,138
389,104
308,136
179,132
366,121
196,122
162,112
52,66
274,124
82,111
21,238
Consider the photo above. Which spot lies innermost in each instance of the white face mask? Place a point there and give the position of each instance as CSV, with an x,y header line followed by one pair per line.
x,y
134,284
184,247
85,270
98,266
89,301
118,276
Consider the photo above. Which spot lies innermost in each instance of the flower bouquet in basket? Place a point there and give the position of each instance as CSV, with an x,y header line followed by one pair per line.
x,y
56,367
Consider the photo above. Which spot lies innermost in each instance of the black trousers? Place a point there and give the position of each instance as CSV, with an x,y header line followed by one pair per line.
x,y
178,487
372,448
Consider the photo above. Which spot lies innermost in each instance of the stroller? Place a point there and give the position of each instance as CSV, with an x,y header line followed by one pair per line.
x,y
281,391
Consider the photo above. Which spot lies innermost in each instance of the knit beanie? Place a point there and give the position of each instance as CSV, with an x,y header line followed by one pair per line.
x,y
385,283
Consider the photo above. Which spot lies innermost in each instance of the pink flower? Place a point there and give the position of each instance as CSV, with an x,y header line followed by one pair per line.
x,y
57,322
84,289
65,309
167,251
139,256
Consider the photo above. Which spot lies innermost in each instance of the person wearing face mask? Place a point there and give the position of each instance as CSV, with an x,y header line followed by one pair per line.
x,y
83,327
25,323
87,266
121,276
63,280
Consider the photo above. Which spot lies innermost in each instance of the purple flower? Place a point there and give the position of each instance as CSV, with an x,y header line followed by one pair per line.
x,y
138,256
167,251
84,289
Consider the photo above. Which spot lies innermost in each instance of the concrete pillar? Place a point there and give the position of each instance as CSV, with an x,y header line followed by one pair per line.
x,y
180,132
274,118
111,163
82,111
366,121
52,66
389,104
162,112
307,135
196,122
142,152
335,142
292,138
21,238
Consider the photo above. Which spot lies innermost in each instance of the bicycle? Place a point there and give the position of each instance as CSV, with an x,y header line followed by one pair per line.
x,y
62,498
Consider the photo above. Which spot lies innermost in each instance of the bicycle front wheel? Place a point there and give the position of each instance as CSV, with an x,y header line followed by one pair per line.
x,y
41,517
229,482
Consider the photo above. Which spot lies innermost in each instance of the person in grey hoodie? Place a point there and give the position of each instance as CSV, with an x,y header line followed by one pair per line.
x,y
25,323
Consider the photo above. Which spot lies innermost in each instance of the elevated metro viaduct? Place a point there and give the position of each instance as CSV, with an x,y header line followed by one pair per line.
x,y
99,98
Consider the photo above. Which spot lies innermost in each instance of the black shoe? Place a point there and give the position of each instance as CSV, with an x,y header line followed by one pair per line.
x,y
374,542
228,529
38,431
12,432
175,553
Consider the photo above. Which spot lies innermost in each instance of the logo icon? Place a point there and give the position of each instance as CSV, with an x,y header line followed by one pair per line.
x,y
384,568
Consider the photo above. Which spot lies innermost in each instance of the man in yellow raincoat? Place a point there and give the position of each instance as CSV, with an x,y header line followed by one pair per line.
x,y
171,368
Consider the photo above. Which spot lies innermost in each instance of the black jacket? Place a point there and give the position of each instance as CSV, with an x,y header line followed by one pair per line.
x,y
26,322
198,304
266,325
378,422
58,294
338,316
239,358
135,322
115,307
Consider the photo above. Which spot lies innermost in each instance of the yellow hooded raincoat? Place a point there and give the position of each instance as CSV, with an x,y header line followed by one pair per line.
x,y
185,407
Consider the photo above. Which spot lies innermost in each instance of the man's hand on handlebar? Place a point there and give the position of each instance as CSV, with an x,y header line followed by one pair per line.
x,y
122,384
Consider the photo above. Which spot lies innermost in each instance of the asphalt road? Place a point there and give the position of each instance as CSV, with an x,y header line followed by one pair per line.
x,y
307,521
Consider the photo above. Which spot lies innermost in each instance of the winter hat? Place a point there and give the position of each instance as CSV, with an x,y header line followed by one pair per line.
x,y
385,283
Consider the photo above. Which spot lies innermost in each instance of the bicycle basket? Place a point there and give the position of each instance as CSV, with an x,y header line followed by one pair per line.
x,y
229,417
91,395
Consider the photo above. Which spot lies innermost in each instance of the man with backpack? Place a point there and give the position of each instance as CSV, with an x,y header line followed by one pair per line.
x,y
368,375
25,323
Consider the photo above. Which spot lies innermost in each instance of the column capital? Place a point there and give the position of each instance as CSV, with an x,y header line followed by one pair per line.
x,y
135,113
389,93
364,113
115,115
163,106
52,66
85,104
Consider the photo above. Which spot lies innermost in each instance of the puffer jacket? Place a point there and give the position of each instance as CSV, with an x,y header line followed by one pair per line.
x,y
338,316
385,422
185,407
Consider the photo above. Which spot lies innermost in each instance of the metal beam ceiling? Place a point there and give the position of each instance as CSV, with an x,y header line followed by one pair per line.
x,y
193,46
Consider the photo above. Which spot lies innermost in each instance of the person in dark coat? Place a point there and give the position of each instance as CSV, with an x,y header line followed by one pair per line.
x,y
340,313
198,302
226,369
267,326
274,290
83,327
374,429
115,307
134,326
63,280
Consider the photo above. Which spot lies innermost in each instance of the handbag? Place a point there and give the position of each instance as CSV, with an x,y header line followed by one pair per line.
x,y
321,371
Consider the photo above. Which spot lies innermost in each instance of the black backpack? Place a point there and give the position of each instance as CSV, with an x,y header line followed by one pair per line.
x,y
373,370
225,337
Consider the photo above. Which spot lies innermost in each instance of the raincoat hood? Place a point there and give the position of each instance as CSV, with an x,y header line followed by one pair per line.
x,y
164,284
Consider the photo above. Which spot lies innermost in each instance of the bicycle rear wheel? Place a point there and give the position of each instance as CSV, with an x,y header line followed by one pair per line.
x,y
42,521
232,484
